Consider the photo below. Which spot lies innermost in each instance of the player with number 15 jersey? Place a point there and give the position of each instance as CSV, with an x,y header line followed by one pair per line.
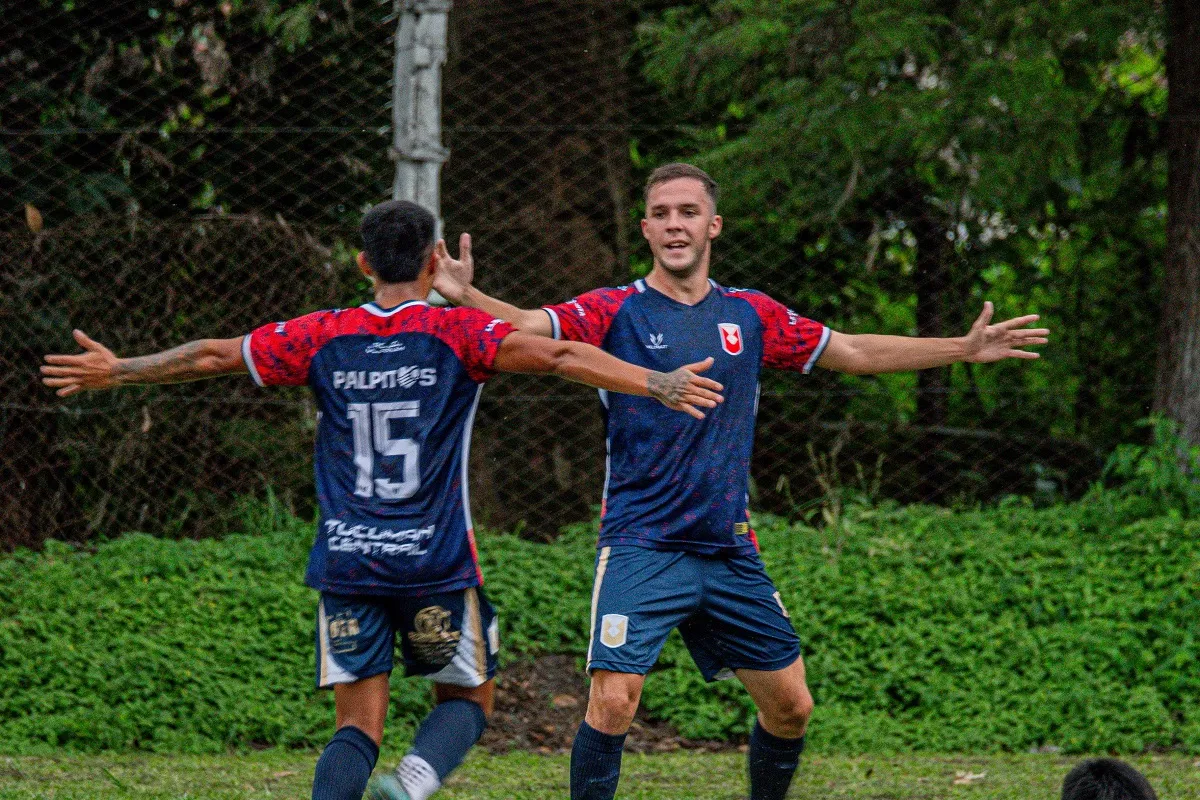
x,y
396,393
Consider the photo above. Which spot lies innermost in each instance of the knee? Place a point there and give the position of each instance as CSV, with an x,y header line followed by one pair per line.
x,y
612,704
483,696
788,716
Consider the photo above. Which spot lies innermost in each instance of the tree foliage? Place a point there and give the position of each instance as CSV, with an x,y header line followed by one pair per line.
x,y
910,158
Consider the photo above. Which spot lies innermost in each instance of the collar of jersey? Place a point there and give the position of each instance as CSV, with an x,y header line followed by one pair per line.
x,y
644,288
374,308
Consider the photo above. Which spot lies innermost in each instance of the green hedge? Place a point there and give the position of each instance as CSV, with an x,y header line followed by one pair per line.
x,y
1073,626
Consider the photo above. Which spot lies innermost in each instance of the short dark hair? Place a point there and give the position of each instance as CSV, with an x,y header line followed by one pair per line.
x,y
670,172
398,239
1106,779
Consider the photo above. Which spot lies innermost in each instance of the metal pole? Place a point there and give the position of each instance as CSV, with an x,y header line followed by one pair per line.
x,y
417,102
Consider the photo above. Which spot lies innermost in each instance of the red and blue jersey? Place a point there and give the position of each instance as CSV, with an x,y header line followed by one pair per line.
x,y
396,393
674,482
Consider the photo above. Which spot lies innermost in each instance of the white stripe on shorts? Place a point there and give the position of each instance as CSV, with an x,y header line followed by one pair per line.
x,y
601,568
331,673
469,666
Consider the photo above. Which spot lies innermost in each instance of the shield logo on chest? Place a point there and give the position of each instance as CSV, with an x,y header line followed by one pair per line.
x,y
731,337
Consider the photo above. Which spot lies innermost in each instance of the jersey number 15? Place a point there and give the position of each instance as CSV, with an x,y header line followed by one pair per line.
x,y
373,434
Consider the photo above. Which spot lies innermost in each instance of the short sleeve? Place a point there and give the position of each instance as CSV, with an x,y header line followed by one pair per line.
x,y
587,317
790,341
475,338
279,353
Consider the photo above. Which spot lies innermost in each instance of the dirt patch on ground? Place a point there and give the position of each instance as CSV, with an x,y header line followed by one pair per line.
x,y
540,703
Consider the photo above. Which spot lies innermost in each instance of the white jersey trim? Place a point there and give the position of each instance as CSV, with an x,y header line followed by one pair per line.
x,y
818,350
466,457
387,312
555,324
640,285
249,359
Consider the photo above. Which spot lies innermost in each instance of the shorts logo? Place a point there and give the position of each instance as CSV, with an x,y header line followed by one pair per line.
x,y
741,528
343,632
613,628
731,337
779,600
432,640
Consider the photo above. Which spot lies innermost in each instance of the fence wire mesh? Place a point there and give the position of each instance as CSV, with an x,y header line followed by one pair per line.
x,y
181,170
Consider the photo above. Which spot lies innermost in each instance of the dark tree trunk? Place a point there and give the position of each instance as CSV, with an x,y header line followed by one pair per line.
x,y
933,283
1177,389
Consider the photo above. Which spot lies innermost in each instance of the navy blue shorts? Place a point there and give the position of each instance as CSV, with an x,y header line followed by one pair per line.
x,y
727,609
449,638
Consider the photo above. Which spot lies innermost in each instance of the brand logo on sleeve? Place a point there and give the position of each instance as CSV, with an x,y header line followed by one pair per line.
x,y
656,342
731,337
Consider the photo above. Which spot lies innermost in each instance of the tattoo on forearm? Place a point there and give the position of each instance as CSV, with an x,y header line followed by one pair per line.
x,y
176,365
669,387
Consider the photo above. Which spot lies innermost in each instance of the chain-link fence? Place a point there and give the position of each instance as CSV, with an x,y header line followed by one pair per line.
x,y
180,170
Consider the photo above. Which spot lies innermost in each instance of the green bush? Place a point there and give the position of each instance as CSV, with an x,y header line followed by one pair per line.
x,y
1002,629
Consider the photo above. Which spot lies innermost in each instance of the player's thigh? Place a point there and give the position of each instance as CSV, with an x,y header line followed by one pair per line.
x,y
638,597
743,623
452,638
363,704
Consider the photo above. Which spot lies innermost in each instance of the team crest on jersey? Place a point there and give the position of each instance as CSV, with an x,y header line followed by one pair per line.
x,y
731,337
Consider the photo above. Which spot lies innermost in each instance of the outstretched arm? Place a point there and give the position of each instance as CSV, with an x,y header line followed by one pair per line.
x,y
869,354
98,368
452,280
682,389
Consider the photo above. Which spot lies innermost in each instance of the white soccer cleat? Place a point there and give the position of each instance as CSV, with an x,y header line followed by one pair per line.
x,y
386,788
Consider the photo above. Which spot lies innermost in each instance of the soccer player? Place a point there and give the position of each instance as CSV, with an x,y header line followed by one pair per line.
x,y
675,548
1106,779
397,384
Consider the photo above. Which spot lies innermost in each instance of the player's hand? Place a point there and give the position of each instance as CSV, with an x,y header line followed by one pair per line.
x,y
94,368
986,343
683,389
454,275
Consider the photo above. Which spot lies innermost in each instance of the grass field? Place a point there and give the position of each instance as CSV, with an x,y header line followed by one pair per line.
x,y
285,775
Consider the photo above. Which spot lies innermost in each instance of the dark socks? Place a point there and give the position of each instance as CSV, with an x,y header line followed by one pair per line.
x,y
773,762
595,764
345,766
450,730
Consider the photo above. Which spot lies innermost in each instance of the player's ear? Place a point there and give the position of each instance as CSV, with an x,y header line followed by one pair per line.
x,y
431,265
363,265
645,222
715,225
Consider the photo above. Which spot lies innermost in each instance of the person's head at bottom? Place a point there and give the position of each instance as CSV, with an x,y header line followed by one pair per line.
x,y
1106,779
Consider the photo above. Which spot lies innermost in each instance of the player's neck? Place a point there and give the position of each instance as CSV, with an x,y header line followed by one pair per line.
x,y
688,289
390,295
